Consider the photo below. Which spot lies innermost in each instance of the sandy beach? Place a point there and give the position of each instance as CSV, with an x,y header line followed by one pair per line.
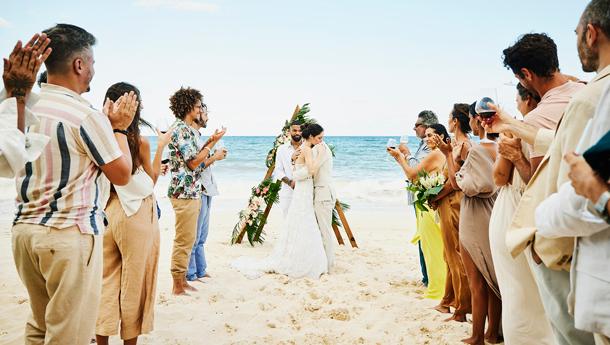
x,y
373,296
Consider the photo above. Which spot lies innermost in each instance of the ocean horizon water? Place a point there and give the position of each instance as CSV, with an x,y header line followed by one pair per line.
x,y
356,157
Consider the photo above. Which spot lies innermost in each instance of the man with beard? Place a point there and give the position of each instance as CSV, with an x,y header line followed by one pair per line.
x,y
533,59
553,256
284,158
198,265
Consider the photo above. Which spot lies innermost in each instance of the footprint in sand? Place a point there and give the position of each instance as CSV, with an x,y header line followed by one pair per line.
x,y
266,306
230,329
214,298
339,314
162,299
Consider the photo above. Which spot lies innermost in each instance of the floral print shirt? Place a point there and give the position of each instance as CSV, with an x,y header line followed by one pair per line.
x,y
184,182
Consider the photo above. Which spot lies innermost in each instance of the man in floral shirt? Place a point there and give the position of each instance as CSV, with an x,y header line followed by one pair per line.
x,y
185,186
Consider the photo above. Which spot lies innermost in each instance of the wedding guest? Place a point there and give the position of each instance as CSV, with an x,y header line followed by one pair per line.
x,y
552,277
17,147
131,240
285,155
198,265
424,119
566,212
185,188
428,231
517,286
533,59
60,197
447,204
475,180
581,208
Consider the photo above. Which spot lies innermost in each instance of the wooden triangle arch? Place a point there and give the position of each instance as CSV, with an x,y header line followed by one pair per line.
x,y
338,208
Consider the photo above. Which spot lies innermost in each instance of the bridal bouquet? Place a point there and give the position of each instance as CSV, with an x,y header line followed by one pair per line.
x,y
426,187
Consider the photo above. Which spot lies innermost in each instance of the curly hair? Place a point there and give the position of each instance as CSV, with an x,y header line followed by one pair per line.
x,y
183,101
460,113
536,52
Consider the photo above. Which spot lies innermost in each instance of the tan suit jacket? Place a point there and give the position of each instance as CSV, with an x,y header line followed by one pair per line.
x,y
551,174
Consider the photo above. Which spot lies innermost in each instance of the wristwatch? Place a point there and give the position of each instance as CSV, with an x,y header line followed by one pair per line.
x,y
600,206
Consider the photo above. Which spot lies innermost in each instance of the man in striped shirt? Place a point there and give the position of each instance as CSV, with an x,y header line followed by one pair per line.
x,y
61,195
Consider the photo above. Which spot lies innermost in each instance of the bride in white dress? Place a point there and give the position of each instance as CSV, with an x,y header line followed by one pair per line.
x,y
299,251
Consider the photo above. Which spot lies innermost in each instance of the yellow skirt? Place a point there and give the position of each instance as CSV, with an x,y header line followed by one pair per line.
x,y
429,234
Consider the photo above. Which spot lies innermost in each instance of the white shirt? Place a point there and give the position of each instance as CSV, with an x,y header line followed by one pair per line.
x,y
17,148
210,188
140,186
283,163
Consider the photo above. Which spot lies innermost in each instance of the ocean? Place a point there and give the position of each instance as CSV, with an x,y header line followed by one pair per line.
x,y
356,157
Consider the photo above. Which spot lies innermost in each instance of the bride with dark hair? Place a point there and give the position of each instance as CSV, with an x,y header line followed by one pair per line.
x,y
299,251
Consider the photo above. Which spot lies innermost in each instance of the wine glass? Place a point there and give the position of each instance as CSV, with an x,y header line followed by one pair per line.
x,y
164,124
404,139
220,145
392,144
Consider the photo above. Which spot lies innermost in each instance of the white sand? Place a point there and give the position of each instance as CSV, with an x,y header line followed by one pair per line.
x,y
373,296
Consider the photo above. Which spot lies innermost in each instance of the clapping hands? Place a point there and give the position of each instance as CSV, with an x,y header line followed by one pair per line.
x,y
218,134
509,147
21,68
586,181
446,147
121,112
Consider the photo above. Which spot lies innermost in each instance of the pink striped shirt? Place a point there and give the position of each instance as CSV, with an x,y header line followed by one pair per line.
x,y
64,186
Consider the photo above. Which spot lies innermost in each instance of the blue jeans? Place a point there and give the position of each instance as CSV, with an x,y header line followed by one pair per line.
x,y
197,264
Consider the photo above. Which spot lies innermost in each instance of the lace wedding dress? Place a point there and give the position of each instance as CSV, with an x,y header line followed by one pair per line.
x,y
299,251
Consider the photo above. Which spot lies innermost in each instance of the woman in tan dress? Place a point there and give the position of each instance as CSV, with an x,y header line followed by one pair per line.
x,y
447,204
475,180
131,240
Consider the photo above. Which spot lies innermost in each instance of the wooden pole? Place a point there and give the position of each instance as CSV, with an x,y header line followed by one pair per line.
x,y
348,231
240,237
338,234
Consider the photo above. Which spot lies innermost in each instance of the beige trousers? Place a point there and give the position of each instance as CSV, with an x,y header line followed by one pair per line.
x,y
187,212
62,271
323,208
131,255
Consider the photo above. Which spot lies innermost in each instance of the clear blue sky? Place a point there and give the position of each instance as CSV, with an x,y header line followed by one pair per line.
x,y
366,67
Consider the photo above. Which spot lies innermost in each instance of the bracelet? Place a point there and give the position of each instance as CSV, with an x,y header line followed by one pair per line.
x,y
122,131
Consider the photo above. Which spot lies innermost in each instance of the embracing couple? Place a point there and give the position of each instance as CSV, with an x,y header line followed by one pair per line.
x,y
306,245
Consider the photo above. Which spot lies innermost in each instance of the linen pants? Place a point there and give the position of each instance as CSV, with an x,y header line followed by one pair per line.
x,y
324,214
131,256
187,212
554,287
62,272
198,264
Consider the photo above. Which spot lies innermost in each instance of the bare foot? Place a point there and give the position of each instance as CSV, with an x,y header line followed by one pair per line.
x,y
456,317
494,339
188,286
179,290
442,309
207,275
474,341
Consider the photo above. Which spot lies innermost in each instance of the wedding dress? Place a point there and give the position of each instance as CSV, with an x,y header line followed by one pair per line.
x,y
299,251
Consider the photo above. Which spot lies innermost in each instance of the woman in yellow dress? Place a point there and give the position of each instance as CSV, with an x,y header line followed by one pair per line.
x,y
428,230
